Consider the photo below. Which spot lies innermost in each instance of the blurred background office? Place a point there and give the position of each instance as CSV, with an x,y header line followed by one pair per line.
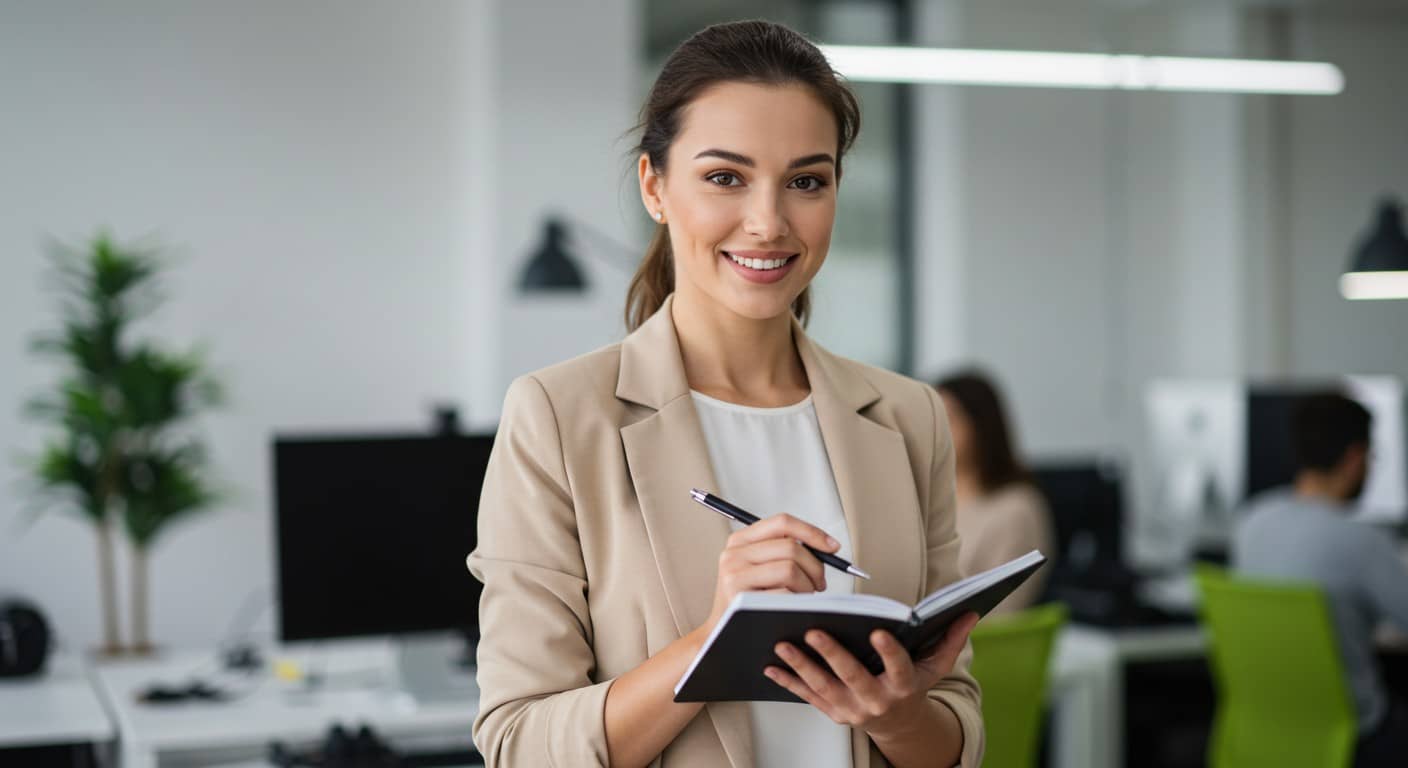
x,y
375,215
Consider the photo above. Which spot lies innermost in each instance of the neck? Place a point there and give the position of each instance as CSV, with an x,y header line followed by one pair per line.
x,y
735,358
1322,487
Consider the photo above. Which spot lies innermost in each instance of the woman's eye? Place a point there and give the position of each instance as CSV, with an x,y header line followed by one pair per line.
x,y
724,179
808,183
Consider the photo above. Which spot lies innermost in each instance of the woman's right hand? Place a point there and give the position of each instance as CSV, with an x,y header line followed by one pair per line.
x,y
768,556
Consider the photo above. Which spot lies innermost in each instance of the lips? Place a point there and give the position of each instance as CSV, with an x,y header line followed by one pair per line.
x,y
761,266
760,260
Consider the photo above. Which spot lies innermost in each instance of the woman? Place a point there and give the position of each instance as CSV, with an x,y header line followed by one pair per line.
x,y
602,579
1001,515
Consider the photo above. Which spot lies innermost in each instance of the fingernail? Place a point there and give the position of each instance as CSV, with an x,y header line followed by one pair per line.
x,y
832,542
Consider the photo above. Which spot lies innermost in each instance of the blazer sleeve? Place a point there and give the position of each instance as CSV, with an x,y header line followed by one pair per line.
x,y
959,690
538,702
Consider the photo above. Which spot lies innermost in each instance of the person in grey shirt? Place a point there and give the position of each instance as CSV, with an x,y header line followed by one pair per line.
x,y
1302,533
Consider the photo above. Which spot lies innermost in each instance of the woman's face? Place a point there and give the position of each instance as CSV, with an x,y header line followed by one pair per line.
x,y
749,195
959,427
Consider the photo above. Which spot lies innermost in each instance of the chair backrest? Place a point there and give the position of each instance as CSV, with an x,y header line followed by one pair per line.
x,y
1010,660
1282,696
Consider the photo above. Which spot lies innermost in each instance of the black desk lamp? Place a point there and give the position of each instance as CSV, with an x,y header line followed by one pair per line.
x,y
1379,267
552,267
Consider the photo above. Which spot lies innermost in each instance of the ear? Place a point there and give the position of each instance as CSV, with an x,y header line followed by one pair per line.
x,y
652,185
1354,460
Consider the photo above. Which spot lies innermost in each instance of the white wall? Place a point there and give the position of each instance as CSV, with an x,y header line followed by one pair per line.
x,y
567,95
1342,155
319,168
1081,245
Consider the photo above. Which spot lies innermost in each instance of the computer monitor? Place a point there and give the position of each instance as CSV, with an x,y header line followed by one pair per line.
x,y
373,534
1085,498
1215,443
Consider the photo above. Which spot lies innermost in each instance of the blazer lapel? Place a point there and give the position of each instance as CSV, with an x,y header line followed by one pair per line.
x,y
874,480
873,477
667,456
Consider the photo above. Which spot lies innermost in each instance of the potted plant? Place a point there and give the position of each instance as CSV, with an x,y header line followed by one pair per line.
x,y
122,451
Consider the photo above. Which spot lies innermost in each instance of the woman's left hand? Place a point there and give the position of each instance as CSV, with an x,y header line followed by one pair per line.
x,y
847,692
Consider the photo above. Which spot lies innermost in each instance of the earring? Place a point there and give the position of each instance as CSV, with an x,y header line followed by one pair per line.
x,y
659,216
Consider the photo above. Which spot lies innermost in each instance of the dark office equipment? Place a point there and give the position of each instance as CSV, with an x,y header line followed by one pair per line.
x,y
1087,508
447,419
24,639
1270,453
196,690
373,534
1086,499
364,748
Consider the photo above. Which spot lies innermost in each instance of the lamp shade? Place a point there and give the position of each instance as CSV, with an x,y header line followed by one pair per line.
x,y
552,267
1379,266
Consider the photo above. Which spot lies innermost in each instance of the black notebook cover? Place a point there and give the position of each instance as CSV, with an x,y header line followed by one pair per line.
x,y
730,667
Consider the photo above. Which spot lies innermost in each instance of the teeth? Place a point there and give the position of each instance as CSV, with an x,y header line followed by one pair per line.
x,y
758,264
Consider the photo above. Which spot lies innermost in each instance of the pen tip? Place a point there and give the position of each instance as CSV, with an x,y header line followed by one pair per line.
x,y
858,572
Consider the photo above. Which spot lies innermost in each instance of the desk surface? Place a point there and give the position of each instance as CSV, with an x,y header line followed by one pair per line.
x,y
59,707
359,688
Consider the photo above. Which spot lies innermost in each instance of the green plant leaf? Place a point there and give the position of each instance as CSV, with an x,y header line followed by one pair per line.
x,y
161,487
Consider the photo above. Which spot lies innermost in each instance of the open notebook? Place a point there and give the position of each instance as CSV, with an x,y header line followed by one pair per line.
x,y
730,665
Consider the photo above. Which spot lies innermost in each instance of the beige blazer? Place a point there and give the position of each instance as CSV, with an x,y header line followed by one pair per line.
x,y
594,558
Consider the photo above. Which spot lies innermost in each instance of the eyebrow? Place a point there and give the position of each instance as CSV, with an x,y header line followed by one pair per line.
x,y
734,157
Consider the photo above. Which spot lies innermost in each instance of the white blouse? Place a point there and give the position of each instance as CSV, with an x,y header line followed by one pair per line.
x,y
771,460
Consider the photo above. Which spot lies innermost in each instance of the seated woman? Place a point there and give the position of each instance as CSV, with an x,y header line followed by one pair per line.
x,y
1001,514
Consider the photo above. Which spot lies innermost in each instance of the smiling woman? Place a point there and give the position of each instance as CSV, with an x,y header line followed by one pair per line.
x,y
602,580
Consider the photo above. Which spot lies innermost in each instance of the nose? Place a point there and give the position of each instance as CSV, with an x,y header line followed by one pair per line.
x,y
764,218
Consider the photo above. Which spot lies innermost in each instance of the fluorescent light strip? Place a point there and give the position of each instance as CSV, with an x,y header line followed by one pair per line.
x,y
959,66
1374,285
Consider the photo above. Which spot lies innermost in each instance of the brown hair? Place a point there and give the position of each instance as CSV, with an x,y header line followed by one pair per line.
x,y
741,51
994,456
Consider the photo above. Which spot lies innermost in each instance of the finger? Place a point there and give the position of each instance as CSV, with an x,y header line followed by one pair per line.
x,y
794,684
774,574
787,549
786,573
899,671
845,666
820,680
945,654
785,526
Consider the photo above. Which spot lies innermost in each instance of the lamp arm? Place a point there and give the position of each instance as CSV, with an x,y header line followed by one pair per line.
x,y
624,257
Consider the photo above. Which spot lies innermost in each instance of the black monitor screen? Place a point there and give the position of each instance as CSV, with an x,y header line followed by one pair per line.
x,y
1085,499
1271,462
373,534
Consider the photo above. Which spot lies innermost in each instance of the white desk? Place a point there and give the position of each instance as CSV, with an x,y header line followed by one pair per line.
x,y
58,707
1087,686
359,688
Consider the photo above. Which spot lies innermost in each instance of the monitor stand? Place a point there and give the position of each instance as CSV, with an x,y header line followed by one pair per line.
x,y
432,668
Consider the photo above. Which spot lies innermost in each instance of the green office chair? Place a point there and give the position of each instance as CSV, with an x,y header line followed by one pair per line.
x,y
1010,659
1282,696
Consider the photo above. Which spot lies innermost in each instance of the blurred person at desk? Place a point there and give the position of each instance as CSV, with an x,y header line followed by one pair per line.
x,y
1001,514
1303,533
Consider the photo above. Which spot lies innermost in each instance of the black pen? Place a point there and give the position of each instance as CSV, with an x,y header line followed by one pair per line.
x,y
747,518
